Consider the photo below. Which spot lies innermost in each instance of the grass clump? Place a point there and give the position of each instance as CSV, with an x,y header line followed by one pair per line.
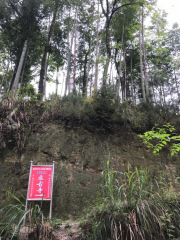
x,y
14,217
137,209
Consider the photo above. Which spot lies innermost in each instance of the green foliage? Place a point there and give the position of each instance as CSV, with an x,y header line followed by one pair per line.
x,y
162,136
25,113
14,214
108,187
139,208
28,91
136,186
72,105
103,109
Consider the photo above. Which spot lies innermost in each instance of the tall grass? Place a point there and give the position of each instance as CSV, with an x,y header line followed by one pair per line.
x,y
137,209
14,215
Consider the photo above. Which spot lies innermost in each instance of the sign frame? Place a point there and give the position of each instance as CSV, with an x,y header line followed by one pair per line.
x,y
42,199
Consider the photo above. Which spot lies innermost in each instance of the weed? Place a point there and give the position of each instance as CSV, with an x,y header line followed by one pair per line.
x,y
137,209
14,215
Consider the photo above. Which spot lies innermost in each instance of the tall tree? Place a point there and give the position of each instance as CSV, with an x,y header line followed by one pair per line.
x,y
42,79
109,11
20,24
141,61
97,50
16,80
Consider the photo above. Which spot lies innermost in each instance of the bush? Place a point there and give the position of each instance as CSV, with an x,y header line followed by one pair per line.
x,y
102,112
72,105
103,109
18,120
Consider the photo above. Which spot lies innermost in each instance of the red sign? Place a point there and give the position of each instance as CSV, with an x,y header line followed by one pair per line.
x,y
40,185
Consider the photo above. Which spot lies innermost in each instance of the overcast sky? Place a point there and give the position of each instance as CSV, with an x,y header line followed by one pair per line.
x,y
172,7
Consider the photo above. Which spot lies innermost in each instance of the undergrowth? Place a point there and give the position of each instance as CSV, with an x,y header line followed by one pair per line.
x,y
137,207
14,217
20,116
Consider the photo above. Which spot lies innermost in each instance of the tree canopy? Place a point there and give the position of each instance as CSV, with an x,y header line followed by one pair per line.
x,y
82,45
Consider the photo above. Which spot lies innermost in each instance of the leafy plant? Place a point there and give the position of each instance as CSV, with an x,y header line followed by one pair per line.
x,y
15,215
139,185
162,137
138,209
28,92
109,187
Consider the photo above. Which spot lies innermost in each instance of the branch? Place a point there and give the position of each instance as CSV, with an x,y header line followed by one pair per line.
x,y
105,14
107,5
15,8
116,9
114,4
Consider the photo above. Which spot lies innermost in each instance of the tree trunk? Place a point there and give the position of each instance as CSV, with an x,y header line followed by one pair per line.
x,y
119,77
111,73
18,73
108,49
132,82
68,66
153,92
164,96
144,56
42,72
24,65
84,77
57,76
5,76
74,74
89,63
122,42
44,59
161,95
63,83
176,83
141,66
91,84
97,51
45,77
69,58
25,60
155,70
14,69
125,77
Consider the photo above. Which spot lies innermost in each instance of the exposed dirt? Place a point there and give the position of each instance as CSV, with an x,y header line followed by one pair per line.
x,y
80,157
68,231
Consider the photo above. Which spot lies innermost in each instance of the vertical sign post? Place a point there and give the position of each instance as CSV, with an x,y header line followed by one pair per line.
x,y
40,186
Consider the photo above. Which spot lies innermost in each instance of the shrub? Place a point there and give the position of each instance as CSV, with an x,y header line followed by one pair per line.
x,y
103,111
